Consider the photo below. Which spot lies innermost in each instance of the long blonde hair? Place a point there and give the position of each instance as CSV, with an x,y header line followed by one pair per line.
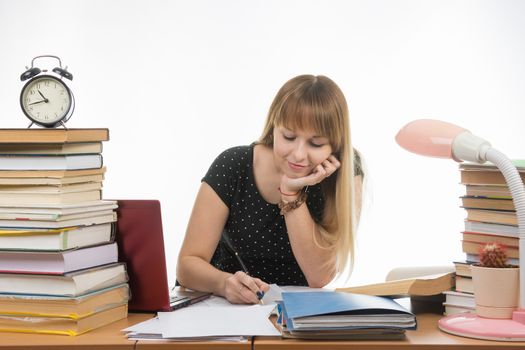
x,y
316,103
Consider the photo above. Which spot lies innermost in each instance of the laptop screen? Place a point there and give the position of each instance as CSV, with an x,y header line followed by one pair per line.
x,y
141,246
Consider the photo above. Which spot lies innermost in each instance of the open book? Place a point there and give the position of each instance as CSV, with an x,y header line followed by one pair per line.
x,y
410,281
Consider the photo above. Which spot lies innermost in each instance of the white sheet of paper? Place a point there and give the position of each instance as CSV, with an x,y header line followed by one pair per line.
x,y
275,293
272,295
215,317
195,321
151,326
152,330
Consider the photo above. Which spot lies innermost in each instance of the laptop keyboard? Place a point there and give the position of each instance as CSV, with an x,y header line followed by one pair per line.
x,y
176,298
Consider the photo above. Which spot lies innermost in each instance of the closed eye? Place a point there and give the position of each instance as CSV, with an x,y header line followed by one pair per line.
x,y
317,145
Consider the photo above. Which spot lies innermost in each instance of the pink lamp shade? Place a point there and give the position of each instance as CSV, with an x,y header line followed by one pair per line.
x,y
429,137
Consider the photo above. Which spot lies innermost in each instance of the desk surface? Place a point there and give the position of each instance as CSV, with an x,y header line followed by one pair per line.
x,y
428,336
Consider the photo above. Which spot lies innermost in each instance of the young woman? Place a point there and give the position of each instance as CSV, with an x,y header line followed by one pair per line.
x,y
282,210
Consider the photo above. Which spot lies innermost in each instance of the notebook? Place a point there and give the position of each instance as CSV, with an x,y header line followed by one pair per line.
x,y
141,246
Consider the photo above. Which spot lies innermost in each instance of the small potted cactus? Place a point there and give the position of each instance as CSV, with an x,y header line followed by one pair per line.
x,y
496,283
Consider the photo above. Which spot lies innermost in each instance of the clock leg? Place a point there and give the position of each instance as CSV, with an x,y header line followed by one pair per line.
x,y
63,124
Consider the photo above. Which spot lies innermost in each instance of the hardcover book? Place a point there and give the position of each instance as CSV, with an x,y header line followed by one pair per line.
x,y
488,191
460,299
87,219
70,284
62,325
490,228
59,175
464,284
451,309
56,239
78,187
48,162
51,148
474,258
487,174
492,216
32,199
476,247
62,306
60,262
487,203
53,135
483,238
53,181
28,218
463,268
59,209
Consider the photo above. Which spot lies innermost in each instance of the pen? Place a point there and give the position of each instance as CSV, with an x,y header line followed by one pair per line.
x,y
260,293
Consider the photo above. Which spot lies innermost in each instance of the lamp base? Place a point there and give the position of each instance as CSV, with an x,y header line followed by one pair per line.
x,y
472,326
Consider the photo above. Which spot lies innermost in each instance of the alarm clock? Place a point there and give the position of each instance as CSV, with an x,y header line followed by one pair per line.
x,y
45,98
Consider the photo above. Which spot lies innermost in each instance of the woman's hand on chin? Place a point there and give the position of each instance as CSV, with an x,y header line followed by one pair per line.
x,y
319,173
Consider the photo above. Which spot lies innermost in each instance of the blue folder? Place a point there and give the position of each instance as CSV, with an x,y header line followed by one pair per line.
x,y
306,304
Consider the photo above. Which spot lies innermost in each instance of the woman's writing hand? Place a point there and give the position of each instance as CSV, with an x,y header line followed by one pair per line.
x,y
319,173
241,288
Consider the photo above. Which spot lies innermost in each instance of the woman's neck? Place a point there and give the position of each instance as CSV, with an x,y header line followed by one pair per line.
x,y
267,175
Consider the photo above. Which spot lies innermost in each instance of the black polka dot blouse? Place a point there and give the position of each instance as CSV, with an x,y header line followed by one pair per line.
x,y
255,229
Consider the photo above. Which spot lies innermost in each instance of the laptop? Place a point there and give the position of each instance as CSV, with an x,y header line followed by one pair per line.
x,y
140,243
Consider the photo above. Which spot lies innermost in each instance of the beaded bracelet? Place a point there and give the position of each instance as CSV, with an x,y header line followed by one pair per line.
x,y
287,207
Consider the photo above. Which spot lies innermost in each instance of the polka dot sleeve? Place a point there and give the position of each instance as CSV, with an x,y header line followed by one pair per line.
x,y
224,173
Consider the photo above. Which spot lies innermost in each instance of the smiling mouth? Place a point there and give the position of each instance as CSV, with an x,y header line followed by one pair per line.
x,y
294,166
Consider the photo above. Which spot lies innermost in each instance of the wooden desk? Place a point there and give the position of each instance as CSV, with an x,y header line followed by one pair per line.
x,y
427,337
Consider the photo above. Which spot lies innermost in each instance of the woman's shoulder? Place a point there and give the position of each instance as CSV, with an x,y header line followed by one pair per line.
x,y
238,150
236,154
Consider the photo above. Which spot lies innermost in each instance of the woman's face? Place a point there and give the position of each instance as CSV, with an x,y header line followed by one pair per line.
x,y
298,152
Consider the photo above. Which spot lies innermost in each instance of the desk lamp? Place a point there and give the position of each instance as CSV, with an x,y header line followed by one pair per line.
x,y
436,138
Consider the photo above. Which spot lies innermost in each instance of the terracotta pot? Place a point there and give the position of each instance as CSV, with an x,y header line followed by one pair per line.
x,y
496,291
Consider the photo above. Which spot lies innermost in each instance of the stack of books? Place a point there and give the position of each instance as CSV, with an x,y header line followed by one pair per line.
x,y
340,315
59,270
491,217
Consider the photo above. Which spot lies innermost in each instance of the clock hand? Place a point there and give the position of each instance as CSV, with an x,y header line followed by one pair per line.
x,y
34,103
45,99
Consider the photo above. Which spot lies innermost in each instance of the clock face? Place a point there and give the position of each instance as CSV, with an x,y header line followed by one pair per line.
x,y
46,100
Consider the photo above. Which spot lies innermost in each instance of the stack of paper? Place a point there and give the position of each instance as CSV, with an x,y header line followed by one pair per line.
x,y
221,321
337,315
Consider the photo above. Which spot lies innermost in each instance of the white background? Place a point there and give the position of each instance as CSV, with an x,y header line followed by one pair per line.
x,y
177,82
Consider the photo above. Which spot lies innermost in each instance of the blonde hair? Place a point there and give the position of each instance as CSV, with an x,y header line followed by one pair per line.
x,y
316,103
